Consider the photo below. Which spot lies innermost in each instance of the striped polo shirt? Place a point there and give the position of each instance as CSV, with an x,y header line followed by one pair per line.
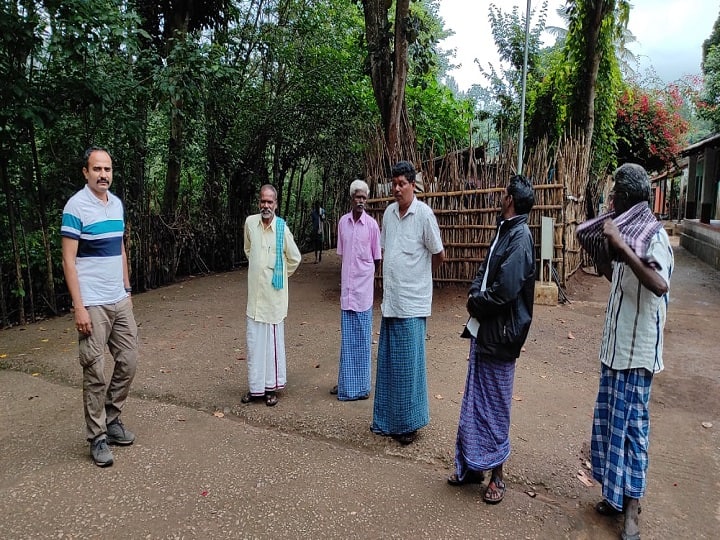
x,y
99,228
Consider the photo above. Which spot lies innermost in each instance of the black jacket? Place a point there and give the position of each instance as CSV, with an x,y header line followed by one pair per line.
x,y
504,309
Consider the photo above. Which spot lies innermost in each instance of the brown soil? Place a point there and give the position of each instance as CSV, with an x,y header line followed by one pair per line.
x,y
193,354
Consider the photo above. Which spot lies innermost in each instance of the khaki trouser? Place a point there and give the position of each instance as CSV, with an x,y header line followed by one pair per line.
x,y
112,325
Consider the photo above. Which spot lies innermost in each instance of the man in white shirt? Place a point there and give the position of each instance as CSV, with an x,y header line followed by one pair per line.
x,y
412,250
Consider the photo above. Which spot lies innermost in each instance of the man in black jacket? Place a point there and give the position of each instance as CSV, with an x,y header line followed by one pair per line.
x,y
500,303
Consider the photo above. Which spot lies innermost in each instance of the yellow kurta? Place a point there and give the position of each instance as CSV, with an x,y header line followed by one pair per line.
x,y
265,303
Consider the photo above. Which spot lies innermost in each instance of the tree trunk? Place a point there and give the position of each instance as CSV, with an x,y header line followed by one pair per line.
x,y
40,189
174,168
600,8
20,284
388,69
396,105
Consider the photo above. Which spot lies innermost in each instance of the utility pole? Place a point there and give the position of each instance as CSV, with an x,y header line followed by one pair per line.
x,y
524,85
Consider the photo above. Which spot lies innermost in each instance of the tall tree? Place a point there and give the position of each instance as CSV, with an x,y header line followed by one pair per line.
x,y
388,65
595,28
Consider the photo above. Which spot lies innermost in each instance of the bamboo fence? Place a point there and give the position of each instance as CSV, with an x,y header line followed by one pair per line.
x,y
465,195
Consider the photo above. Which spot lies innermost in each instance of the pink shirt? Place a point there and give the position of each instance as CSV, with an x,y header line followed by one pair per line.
x,y
358,245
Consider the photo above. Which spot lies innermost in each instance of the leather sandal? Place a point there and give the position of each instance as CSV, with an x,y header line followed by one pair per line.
x,y
497,487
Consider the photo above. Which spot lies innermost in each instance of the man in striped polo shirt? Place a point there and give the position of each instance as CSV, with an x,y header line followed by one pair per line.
x,y
637,258
96,274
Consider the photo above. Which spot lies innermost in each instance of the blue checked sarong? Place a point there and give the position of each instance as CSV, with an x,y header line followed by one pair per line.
x,y
401,396
620,434
483,437
355,354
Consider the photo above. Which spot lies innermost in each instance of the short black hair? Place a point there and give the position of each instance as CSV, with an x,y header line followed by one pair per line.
x,y
522,193
88,152
406,169
632,179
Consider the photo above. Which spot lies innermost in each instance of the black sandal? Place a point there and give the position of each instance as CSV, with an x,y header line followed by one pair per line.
x,y
247,398
271,399
471,477
604,508
406,438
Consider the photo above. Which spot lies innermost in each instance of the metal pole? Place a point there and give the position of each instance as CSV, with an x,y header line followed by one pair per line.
x,y
524,85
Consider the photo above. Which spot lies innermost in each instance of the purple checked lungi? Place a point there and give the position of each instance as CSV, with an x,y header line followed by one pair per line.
x,y
620,434
483,437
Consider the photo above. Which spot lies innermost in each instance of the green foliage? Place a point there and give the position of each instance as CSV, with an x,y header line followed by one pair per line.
x,y
709,102
265,92
592,80
508,30
442,122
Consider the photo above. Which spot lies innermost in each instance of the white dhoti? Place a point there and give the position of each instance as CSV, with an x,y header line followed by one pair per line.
x,y
265,357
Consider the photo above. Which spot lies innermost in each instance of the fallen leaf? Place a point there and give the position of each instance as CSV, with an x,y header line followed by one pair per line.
x,y
587,481
3,355
35,374
707,425
570,335
517,398
439,396
531,493
204,493
522,349
45,340
219,414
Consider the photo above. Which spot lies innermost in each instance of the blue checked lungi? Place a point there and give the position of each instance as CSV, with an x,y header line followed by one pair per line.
x,y
401,396
355,354
620,434
483,437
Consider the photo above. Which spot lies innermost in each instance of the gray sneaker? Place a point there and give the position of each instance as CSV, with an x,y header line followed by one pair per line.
x,y
101,454
117,434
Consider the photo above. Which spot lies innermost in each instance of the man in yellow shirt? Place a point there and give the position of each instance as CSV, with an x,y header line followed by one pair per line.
x,y
272,257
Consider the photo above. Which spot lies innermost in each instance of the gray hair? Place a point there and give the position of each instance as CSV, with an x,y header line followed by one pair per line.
x,y
632,179
359,185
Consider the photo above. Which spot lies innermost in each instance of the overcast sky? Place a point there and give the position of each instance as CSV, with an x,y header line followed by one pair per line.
x,y
669,34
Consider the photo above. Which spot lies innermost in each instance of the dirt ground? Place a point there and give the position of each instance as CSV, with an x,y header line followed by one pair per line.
x,y
193,356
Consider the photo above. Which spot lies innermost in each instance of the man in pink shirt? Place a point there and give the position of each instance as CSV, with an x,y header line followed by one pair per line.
x,y
358,245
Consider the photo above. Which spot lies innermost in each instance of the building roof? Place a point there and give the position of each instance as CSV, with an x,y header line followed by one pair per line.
x,y
711,141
